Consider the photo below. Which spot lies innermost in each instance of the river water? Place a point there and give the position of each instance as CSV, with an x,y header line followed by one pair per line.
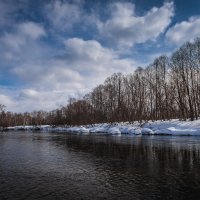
x,y
65,166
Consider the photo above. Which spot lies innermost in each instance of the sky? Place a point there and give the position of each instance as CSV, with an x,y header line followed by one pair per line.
x,y
51,50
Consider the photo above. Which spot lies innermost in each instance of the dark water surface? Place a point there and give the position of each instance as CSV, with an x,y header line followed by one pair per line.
x,y
64,166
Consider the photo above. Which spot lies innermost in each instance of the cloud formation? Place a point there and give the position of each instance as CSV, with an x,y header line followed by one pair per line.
x,y
23,33
63,15
59,49
84,64
126,28
184,31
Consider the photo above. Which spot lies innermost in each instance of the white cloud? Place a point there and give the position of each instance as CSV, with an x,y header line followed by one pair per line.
x,y
93,60
52,70
49,83
46,74
184,31
6,100
23,34
83,61
32,30
125,28
29,93
84,53
63,14
13,41
22,100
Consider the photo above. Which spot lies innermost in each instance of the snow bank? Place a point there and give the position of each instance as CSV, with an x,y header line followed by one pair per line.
x,y
114,131
40,127
79,129
174,127
171,127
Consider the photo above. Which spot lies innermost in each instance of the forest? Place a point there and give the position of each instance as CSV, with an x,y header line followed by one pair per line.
x,y
166,89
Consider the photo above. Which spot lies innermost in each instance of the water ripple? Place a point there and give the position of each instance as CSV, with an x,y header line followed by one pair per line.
x,y
64,166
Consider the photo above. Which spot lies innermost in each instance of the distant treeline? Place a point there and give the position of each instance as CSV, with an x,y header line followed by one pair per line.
x,y
168,88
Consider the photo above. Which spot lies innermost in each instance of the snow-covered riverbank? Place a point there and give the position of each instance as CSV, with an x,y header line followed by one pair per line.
x,y
172,127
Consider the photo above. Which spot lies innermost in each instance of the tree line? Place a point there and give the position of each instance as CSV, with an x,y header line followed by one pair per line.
x,y
168,88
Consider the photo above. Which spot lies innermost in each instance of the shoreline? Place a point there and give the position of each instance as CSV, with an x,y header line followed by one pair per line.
x,y
170,127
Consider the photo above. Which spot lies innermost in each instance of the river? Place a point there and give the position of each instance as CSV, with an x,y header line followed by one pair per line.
x,y
65,166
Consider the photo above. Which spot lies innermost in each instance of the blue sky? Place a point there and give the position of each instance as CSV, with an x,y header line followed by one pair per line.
x,y
51,50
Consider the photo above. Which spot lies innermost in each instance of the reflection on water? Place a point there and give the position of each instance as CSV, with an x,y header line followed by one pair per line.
x,y
64,166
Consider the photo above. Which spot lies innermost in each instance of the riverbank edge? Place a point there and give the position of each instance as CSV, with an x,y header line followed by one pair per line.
x,y
169,127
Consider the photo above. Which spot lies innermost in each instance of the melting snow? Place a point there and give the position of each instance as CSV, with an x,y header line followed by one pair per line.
x,y
171,127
